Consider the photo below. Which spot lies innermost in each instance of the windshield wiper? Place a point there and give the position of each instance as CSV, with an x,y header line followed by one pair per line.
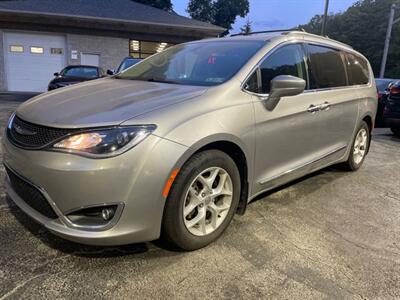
x,y
152,79
161,80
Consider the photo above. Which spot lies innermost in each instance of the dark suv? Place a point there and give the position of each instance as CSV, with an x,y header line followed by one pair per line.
x,y
391,113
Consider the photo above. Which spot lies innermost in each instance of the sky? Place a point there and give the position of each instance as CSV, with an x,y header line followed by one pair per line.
x,y
278,14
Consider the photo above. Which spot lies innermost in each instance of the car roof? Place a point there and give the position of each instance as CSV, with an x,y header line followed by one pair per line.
x,y
281,34
80,66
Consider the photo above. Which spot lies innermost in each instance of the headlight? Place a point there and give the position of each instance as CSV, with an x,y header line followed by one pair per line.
x,y
104,142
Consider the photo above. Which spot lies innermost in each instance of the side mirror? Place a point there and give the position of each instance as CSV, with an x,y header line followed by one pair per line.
x,y
284,86
110,72
56,74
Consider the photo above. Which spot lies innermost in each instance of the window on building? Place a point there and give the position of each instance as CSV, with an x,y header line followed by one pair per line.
x,y
37,50
16,48
143,49
357,69
56,51
326,67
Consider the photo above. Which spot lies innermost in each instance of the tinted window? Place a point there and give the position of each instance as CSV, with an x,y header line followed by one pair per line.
x,y
357,70
84,72
202,63
252,83
326,68
288,60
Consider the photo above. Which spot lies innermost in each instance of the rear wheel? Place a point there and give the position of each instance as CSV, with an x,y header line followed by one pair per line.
x,y
395,130
359,148
202,200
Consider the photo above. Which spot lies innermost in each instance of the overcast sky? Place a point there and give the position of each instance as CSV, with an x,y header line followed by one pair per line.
x,y
278,14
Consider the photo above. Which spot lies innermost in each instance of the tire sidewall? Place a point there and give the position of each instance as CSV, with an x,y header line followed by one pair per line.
x,y
175,225
353,165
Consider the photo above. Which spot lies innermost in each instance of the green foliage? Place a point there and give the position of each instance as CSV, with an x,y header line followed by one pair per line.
x,y
218,12
246,28
363,26
162,4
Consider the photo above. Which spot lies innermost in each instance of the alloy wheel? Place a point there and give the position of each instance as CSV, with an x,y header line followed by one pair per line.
x,y
360,146
208,201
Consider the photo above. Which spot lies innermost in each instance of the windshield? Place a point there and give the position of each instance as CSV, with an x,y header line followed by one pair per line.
x,y
84,72
204,63
129,62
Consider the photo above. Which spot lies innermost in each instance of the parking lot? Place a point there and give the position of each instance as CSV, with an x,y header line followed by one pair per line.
x,y
330,235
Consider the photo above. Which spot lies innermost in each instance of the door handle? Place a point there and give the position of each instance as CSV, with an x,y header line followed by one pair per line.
x,y
313,108
324,106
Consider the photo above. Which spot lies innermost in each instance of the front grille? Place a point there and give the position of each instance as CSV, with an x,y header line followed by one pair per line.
x,y
32,136
30,195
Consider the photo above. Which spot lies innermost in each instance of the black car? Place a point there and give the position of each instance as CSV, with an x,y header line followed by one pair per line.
x,y
75,74
383,85
391,112
127,62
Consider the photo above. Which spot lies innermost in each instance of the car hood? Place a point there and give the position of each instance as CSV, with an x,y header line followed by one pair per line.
x,y
103,102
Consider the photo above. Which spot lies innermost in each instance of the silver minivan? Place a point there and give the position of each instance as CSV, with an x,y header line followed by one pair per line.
x,y
177,144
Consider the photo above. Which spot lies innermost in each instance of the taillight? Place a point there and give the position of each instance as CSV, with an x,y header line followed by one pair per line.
x,y
379,96
395,90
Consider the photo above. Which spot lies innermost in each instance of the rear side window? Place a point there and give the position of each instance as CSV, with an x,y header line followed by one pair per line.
x,y
288,60
326,67
357,69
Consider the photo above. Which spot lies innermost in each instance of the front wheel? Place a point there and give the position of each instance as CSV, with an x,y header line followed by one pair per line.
x,y
359,148
202,201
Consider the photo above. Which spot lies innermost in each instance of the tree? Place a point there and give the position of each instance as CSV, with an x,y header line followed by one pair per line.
x,y
246,28
162,4
363,26
201,10
218,12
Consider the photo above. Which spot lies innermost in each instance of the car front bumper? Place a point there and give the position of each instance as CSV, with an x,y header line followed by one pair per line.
x,y
134,179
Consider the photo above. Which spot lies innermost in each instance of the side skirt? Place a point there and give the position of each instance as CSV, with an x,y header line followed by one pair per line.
x,y
319,163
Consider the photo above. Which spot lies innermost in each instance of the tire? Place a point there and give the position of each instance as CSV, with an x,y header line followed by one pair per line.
x,y
395,130
354,161
176,230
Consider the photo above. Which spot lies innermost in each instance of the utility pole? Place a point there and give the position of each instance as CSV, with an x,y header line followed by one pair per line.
x,y
325,18
391,22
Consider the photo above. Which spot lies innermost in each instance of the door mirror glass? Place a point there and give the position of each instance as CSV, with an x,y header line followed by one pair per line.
x,y
284,86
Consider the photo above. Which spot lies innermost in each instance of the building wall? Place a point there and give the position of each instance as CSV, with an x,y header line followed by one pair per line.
x,y
111,50
2,66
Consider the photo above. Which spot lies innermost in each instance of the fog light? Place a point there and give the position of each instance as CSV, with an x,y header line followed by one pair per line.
x,y
107,214
95,217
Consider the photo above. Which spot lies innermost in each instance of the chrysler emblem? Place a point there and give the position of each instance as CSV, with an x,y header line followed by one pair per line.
x,y
23,131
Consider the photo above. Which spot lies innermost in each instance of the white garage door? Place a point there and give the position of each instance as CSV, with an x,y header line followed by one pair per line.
x,y
32,59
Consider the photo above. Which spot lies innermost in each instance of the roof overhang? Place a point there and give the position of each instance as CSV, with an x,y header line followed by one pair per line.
x,y
109,24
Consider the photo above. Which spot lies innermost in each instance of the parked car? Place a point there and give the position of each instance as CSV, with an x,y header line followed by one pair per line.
x,y
392,109
383,85
75,74
179,143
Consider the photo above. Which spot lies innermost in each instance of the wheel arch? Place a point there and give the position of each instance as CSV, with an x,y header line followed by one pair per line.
x,y
367,118
232,147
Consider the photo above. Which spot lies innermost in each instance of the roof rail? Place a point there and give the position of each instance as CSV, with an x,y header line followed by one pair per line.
x,y
267,31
